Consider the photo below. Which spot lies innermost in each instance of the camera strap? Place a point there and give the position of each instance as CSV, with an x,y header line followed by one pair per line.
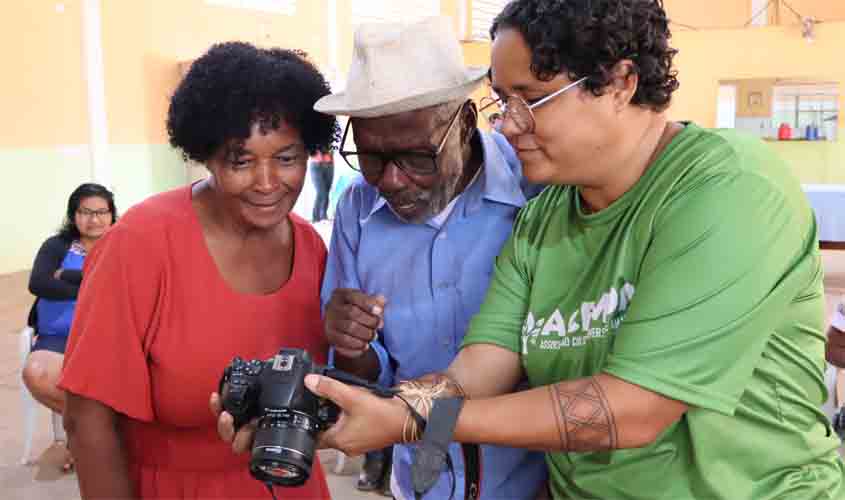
x,y
432,453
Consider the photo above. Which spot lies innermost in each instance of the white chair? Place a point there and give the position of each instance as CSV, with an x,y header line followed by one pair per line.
x,y
29,405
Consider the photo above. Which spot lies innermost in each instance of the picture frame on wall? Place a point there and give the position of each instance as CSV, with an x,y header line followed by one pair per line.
x,y
755,99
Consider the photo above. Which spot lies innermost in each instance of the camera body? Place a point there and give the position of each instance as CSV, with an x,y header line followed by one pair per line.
x,y
289,415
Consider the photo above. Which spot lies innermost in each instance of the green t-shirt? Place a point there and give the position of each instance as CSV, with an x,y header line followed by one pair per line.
x,y
702,283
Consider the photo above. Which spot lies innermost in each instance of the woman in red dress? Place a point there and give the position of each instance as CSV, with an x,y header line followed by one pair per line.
x,y
190,278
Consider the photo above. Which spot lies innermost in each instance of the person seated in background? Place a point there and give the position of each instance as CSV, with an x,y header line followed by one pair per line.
x,y
55,279
191,278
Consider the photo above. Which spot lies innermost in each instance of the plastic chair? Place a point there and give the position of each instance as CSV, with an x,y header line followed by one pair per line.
x,y
29,405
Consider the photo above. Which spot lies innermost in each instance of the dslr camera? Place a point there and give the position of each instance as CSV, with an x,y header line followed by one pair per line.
x,y
289,415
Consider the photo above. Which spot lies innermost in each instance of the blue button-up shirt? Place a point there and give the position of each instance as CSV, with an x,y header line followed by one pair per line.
x,y
434,278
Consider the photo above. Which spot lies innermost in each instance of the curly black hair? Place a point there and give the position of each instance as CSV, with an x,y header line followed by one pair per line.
x,y
586,38
235,85
69,232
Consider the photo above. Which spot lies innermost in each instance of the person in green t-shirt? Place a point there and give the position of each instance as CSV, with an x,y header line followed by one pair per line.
x,y
663,296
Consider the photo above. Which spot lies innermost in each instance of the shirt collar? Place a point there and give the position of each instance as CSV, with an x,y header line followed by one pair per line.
x,y
501,180
497,183
380,202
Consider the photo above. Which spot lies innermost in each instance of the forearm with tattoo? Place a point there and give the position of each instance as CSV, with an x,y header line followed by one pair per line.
x,y
597,413
584,418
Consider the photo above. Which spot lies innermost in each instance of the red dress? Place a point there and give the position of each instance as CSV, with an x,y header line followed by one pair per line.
x,y
155,326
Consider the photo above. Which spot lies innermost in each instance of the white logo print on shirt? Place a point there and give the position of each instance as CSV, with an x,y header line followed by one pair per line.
x,y
576,328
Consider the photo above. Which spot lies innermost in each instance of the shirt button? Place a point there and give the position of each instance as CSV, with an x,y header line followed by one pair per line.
x,y
442,235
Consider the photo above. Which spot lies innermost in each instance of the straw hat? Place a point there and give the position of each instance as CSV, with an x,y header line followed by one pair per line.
x,y
403,67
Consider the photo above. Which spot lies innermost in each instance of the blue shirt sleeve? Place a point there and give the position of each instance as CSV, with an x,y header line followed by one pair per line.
x,y
42,283
341,266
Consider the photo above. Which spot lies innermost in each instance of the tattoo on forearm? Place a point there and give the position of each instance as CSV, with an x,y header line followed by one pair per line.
x,y
584,419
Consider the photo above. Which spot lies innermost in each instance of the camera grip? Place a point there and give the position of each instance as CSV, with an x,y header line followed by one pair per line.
x,y
237,390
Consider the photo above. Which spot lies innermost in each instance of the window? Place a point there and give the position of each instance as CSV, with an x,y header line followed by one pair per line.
x,y
760,11
799,105
380,11
483,13
286,7
780,108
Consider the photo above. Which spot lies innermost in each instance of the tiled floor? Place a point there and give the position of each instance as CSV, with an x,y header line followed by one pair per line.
x,y
43,480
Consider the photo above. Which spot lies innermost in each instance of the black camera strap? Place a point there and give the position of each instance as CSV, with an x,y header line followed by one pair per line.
x,y
271,490
472,471
432,453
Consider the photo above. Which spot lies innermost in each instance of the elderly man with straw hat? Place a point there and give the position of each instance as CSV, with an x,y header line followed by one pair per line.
x,y
416,236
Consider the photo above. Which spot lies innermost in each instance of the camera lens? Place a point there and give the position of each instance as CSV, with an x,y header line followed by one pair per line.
x,y
283,451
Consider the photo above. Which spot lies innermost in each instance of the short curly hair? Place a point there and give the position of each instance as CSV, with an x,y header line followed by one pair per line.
x,y
235,85
586,38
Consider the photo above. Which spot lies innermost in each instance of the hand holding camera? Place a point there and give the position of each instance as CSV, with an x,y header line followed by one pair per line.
x,y
289,415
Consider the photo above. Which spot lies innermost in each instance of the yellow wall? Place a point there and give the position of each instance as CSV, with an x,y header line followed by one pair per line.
x,y
824,10
44,138
147,40
770,52
817,162
710,13
736,13
42,90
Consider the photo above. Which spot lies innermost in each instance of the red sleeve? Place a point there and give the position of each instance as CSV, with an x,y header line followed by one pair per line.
x,y
119,304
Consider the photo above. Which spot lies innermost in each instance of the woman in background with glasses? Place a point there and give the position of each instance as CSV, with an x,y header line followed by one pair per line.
x,y
55,279
663,295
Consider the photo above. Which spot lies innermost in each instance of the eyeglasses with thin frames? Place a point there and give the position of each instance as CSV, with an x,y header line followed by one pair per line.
x,y
372,164
86,212
520,112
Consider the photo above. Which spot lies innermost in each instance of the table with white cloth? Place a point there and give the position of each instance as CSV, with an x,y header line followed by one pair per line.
x,y
828,202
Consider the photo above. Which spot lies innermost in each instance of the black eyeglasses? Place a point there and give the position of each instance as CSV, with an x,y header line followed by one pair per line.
x,y
86,212
372,164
